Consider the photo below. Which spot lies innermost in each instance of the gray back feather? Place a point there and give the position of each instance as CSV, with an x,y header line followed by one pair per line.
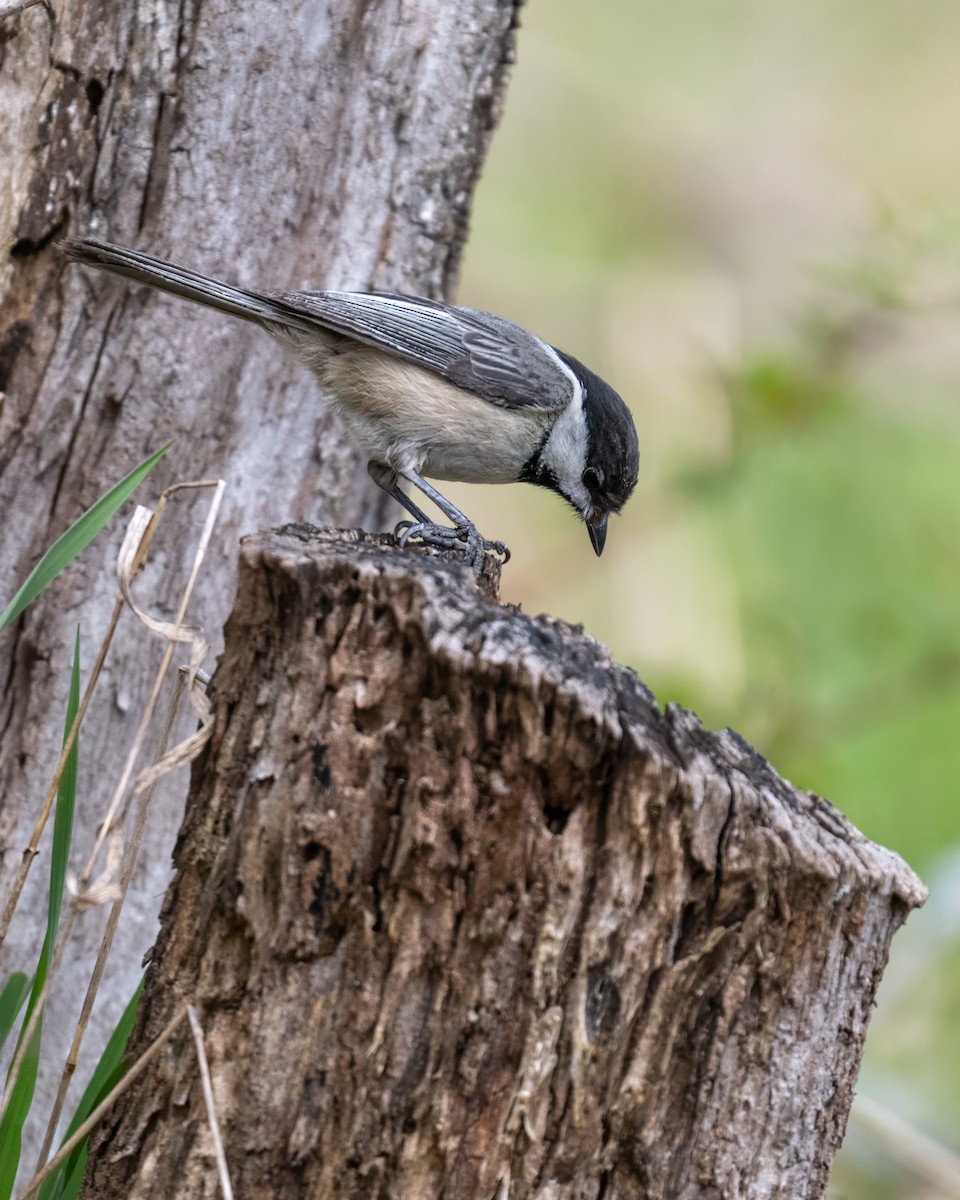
x,y
494,358
484,354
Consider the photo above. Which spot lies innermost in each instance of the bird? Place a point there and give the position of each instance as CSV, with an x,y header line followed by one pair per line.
x,y
426,388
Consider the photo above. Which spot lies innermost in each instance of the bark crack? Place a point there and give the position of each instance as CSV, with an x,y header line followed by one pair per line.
x,y
68,460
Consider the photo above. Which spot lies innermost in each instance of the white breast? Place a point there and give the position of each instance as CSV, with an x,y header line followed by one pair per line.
x,y
413,419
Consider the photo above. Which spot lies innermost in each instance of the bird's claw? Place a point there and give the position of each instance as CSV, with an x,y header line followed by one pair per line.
x,y
500,548
445,537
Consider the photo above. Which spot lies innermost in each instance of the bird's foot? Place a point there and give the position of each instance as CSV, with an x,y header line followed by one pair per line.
x,y
445,537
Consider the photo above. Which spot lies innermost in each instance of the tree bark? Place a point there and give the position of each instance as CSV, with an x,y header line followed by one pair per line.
x,y
466,916
325,143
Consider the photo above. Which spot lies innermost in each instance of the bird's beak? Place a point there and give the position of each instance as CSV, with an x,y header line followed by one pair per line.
x,y
598,533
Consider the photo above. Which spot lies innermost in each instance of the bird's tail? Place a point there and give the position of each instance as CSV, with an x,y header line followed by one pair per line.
x,y
168,277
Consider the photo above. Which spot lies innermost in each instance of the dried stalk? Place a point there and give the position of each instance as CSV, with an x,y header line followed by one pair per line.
x,y
83,1130
130,854
32,849
131,559
222,1170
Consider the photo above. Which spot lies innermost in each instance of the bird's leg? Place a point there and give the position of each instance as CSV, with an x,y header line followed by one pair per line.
x,y
440,535
384,478
429,533
463,530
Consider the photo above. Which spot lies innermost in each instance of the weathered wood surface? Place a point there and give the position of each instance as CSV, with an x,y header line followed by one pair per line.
x,y
466,916
324,143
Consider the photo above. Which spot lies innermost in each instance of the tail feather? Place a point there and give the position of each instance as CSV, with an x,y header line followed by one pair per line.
x,y
168,277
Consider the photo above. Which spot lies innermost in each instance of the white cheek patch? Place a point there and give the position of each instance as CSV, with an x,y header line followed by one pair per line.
x,y
565,452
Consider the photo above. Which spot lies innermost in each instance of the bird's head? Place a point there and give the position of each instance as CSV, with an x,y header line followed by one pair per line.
x,y
591,456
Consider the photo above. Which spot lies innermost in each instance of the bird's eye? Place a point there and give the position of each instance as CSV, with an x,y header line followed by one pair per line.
x,y
592,479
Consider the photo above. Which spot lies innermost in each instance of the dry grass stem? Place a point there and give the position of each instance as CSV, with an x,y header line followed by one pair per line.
x,y
87,893
188,749
207,1083
175,632
100,893
30,853
83,1130
106,943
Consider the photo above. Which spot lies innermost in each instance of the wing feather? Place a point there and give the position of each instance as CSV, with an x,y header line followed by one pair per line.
x,y
493,358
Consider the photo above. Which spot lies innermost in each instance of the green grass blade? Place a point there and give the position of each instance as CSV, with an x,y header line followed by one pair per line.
x,y
11,1125
64,1184
12,996
21,1098
66,548
63,814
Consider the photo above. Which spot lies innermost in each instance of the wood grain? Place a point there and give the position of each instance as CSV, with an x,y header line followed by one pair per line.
x,y
467,916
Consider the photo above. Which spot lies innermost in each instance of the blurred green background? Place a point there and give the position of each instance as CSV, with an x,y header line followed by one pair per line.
x,y
747,218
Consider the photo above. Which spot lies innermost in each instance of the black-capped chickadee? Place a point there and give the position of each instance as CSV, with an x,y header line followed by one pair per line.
x,y
426,388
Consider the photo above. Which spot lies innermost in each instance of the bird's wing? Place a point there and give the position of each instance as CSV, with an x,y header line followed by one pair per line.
x,y
495,359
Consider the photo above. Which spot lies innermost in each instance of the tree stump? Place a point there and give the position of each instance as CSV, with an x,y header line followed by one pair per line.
x,y
466,916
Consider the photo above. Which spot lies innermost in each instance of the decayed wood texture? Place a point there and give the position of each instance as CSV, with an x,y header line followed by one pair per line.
x,y
325,143
466,916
